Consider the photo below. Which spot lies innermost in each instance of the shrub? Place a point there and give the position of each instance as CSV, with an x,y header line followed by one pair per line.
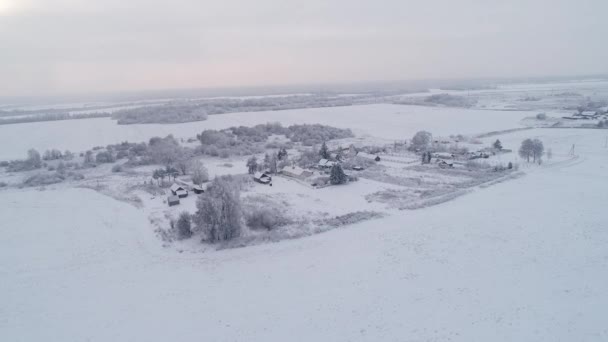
x,y
184,227
541,116
3,184
264,218
117,168
42,179
104,157
4,163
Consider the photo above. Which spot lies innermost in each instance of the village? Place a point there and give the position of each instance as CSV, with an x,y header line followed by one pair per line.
x,y
290,182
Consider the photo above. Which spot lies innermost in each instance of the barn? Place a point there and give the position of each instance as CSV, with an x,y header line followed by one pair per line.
x,y
179,190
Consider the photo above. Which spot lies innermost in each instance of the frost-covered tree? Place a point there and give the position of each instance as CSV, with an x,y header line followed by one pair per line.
x,y
184,226
497,144
34,160
219,213
421,141
337,175
200,174
324,152
252,165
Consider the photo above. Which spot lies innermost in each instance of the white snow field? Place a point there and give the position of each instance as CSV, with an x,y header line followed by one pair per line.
x,y
382,120
524,260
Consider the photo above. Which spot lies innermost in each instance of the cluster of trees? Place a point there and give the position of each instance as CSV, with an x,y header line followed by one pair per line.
x,y
32,162
166,113
446,100
168,172
55,154
532,149
198,110
51,117
250,140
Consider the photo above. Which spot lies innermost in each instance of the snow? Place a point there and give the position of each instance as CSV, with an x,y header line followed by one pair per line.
x,y
524,260
382,120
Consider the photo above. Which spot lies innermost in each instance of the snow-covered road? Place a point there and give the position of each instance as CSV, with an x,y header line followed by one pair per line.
x,y
524,260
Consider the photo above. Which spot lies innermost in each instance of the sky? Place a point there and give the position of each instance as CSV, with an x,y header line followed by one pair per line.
x,y
77,46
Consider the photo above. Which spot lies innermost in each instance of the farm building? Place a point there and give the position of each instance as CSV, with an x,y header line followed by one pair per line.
x,y
172,200
325,164
198,189
179,190
296,172
262,177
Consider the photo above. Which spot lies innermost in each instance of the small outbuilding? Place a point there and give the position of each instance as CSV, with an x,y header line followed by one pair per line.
x,y
179,190
172,200
198,189
262,178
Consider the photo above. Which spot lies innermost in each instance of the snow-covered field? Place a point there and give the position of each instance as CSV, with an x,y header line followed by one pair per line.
x,y
387,121
521,260
524,260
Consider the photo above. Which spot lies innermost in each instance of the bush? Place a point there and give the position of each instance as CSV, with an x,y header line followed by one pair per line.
x,y
4,163
184,227
264,218
541,116
42,179
117,168
3,184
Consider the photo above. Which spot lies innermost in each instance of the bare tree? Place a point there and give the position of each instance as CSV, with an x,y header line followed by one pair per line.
x,y
526,150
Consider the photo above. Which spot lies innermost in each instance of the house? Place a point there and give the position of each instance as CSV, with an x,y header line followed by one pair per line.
x,y
296,172
172,200
198,189
325,164
262,177
445,165
179,190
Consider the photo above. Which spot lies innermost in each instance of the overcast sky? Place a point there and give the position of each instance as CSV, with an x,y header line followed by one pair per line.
x,y
75,46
